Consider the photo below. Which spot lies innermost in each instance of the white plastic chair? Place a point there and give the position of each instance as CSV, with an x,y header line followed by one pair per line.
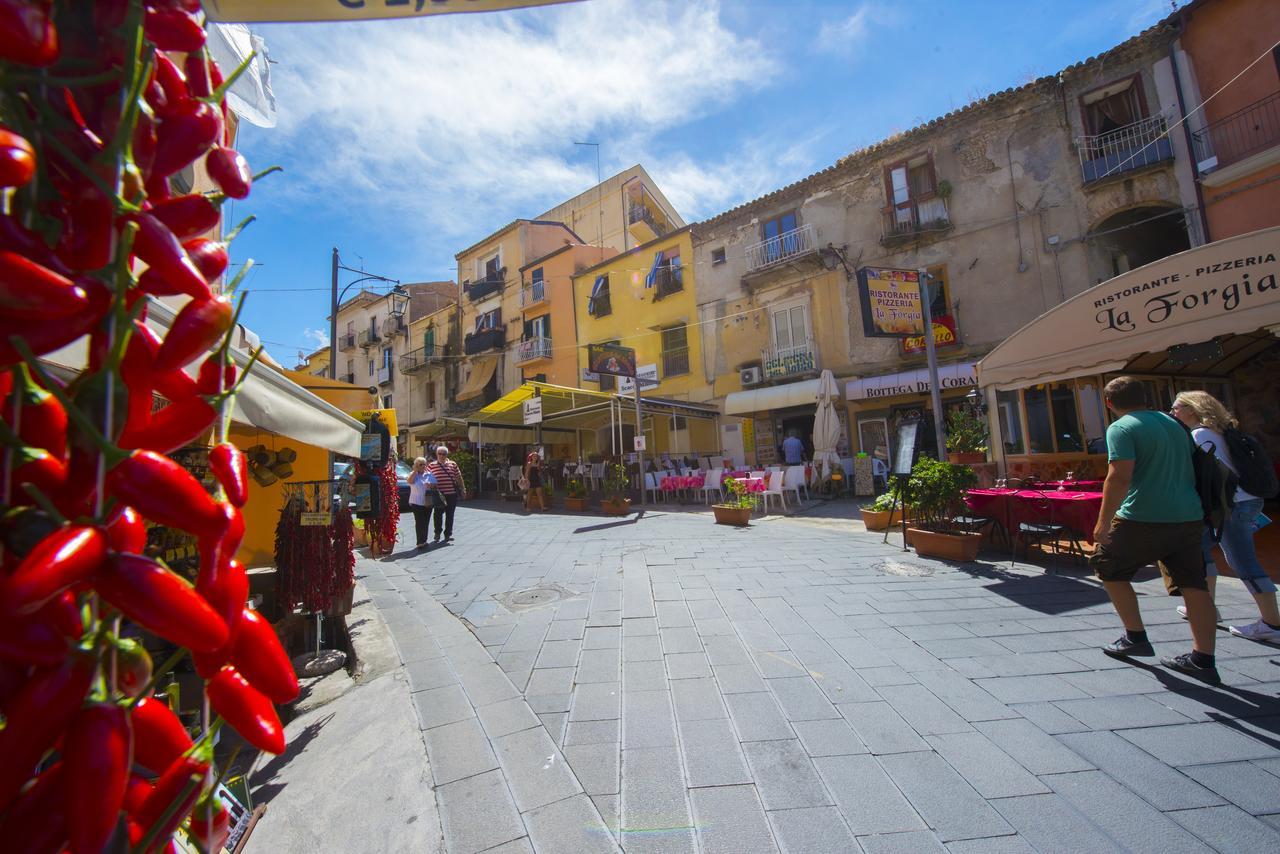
x,y
711,484
716,462
793,481
774,488
513,478
596,477
759,474
651,485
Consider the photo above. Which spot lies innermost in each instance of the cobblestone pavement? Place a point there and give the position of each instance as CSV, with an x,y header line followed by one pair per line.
x,y
665,684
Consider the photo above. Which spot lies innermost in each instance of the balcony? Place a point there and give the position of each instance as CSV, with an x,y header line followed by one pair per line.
x,y
384,375
1241,136
484,287
347,342
1136,146
489,339
787,246
781,362
533,350
369,337
645,218
394,325
533,295
423,357
349,379
915,219
675,362
669,280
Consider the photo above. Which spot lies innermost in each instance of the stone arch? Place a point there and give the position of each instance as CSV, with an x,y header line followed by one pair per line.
x,y
1134,235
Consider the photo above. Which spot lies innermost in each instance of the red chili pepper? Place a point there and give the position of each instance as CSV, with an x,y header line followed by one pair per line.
x,y
197,328
166,493
138,369
173,427
210,256
172,29
42,422
27,35
187,131
133,667
186,774
210,823
41,638
17,238
37,821
230,171
37,715
226,590
82,480
88,231
207,381
126,532
162,602
40,469
31,291
22,529
144,136
258,655
187,216
203,75
139,788
172,82
159,738
160,250
246,709
228,464
17,159
96,758
69,556
45,336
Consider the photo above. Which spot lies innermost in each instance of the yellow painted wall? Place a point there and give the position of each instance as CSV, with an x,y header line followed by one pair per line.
x,y
263,508
557,273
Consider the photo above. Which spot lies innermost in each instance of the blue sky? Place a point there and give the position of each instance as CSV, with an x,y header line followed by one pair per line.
x,y
405,141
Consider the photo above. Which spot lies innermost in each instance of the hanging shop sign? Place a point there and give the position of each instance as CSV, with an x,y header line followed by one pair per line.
x,y
647,375
611,359
944,335
955,376
386,416
375,442
533,411
890,303
353,10
640,443
322,519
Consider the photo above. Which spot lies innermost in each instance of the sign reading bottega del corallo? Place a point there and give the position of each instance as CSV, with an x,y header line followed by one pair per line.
x,y
1211,286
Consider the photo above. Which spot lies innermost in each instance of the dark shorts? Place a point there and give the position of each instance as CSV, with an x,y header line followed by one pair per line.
x,y
1174,546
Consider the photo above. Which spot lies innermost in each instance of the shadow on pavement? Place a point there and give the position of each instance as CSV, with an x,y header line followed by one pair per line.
x,y
1046,594
604,526
264,791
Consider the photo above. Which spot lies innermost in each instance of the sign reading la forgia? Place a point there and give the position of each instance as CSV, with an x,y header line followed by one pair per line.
x,y
890,303
353,10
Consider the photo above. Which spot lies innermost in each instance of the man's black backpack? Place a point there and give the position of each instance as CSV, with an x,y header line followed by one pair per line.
x,y
1215,484
1254,470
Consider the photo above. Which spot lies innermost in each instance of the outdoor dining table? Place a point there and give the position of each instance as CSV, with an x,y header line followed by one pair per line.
x,y
677,482
1077,510
1072,485
752,484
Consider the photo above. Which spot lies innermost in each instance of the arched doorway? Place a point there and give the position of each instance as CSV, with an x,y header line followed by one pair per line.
x,y
1137,236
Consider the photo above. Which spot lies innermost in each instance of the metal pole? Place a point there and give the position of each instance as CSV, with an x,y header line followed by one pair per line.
x,y
935,393
333,321
640,438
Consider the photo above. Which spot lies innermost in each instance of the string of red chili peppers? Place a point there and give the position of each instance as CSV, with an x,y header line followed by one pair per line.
x,y
97,114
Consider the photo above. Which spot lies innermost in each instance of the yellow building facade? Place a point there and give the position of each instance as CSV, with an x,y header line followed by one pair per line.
x,y
548,347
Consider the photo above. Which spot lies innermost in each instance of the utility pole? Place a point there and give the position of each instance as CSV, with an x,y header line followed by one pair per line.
x,y
599,201
935,393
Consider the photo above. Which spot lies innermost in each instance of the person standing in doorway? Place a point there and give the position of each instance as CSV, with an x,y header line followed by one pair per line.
x,y
421,482
449,482
1151,513
792,449
1209,421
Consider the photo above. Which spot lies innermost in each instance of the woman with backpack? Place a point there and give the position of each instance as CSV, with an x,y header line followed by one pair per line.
x,y
1211,425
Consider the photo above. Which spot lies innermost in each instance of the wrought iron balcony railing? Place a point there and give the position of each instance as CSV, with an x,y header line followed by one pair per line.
x,y
1239,135
789,361
786,246
488,339
484,287
915,219
532,349
1143,143
423,357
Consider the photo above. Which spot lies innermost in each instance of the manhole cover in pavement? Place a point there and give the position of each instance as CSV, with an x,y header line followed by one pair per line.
x,y
534,597
909,570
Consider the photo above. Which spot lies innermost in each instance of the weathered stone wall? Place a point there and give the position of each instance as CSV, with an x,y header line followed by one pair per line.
x,y
1258,399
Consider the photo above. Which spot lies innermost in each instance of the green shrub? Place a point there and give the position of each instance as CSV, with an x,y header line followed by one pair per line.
x,y
935,492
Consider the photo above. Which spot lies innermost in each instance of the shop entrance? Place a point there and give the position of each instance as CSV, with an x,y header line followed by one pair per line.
x,y
802,425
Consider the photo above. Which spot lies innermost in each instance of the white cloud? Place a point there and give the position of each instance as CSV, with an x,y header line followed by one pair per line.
x,y
846,35
320,337
455,125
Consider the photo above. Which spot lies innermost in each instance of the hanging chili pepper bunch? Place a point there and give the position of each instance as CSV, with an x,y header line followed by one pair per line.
x,y
96,117
315,564
382,528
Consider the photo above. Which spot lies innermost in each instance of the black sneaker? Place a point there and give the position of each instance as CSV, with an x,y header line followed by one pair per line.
x,y
1124,648
1184,664
436,540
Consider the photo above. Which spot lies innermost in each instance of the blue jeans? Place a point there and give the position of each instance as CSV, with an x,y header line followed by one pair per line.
x,y
1237,546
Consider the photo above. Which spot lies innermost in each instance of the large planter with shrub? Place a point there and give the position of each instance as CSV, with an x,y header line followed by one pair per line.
x,y
966,457
571,503
881,513
936,491
575,495
615,487
728,514
616,506
966,438
960,546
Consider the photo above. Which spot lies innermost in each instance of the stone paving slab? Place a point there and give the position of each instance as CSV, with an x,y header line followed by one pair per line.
x,y
801,686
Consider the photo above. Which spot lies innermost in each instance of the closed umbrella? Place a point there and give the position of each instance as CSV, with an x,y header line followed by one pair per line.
x,y
826,428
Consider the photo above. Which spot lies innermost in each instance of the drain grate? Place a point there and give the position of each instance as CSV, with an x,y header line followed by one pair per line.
x,y
534,597
907,570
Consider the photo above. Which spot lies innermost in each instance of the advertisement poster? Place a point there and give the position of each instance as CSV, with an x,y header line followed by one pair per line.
x,y
766,442
611,359
944,335
890,303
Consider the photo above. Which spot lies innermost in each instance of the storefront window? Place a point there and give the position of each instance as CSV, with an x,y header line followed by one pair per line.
x,y
1039,427
1066,424
1093,415
1010,422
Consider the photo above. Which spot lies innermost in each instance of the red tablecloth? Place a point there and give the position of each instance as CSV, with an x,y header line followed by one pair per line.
x,y
1074,485
1077,510
671,483
752,484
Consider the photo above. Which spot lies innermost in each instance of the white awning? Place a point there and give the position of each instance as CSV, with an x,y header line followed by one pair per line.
x,y
772,397
1214,290
958,375
268,400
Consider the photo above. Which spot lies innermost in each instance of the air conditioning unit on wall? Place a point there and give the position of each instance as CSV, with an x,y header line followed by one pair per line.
x,y
749,376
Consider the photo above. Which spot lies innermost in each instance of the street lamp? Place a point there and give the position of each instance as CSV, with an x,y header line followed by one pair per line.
x,y
399,299
337,298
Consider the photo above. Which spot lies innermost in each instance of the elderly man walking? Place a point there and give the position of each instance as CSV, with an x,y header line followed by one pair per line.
x,y
1151,513
449,482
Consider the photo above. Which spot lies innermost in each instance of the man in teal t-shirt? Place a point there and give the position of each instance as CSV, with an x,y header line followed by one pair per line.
x,y
1151,513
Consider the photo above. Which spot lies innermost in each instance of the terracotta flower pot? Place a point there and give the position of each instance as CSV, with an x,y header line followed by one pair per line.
x,y
727,514
966,457
957,547
571,503
878,520
615,506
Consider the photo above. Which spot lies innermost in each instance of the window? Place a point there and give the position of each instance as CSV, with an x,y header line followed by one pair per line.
x,y
1112,107
538,378
598,304
537,327
429,342
1010,422
536,286
489,320
386,402
489,269
1053,425
675,351
373,326
371,367
670,275
779,236
386,358
790,327
351,327
911,186
718,256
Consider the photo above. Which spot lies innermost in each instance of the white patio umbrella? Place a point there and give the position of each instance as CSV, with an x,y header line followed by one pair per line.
x,y
826,428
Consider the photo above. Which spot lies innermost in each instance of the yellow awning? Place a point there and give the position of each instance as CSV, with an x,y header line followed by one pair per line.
x,y
482,370
562,407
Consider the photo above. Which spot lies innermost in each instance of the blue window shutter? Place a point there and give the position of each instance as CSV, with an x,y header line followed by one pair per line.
x,y
652,279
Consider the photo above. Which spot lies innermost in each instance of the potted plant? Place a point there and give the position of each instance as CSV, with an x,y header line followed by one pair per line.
x,y
467,465
736,510
879,514
576,495
966,437
616,483
936,491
